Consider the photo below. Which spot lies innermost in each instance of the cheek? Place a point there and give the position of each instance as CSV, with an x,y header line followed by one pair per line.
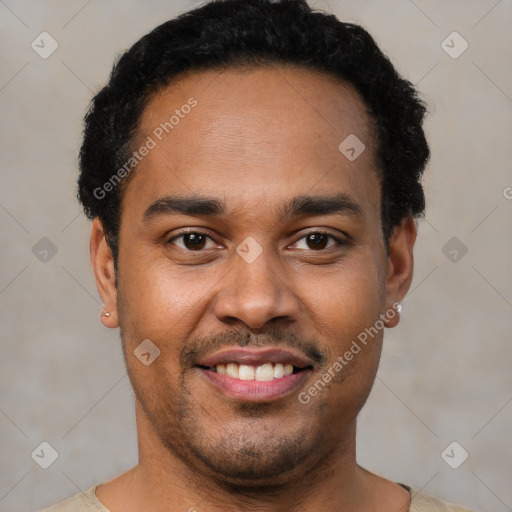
x,y
154,305
154,296
345,308
346,301
162,304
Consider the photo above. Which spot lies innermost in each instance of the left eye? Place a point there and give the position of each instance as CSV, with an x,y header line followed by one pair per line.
x,y
318,241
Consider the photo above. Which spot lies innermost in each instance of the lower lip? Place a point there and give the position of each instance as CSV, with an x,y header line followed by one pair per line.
x,y
255,390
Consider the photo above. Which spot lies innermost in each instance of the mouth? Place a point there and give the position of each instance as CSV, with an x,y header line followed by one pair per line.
x,y
256,375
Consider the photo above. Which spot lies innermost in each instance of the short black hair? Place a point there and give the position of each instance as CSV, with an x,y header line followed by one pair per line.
x,y
230,33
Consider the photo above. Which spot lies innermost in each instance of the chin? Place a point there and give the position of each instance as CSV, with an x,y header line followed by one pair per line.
x,y
270,451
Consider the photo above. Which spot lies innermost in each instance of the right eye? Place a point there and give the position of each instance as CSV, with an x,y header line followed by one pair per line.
x,y
191,240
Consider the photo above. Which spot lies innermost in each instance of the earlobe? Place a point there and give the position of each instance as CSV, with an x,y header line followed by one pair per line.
x,y
392,315
107,320
400,267
104,273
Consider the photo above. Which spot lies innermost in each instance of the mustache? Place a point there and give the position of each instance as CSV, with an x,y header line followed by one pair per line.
x,y
200,345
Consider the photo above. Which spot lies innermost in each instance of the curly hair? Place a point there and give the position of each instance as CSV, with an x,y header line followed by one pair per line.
x,y
230,33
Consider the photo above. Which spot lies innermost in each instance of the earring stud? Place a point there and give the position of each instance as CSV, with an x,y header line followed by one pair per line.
x,y
106,314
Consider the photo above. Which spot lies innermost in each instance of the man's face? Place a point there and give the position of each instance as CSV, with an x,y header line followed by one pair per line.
x,y
268,277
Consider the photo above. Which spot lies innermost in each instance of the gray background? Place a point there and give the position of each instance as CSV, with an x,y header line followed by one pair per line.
x,y
445,374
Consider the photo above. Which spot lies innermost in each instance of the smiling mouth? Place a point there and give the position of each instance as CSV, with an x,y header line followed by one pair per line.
x,y
266,382
252,374
262,373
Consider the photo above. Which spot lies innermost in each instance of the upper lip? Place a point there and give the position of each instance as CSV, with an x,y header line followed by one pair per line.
x,y
256,356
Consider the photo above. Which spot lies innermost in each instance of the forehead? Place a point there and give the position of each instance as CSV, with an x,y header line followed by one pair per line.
x,y
252,131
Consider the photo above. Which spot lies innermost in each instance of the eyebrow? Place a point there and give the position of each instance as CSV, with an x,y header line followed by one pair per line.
x,y
303,205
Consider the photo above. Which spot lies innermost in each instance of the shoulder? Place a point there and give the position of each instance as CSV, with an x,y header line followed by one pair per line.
x,y
83,502
421,502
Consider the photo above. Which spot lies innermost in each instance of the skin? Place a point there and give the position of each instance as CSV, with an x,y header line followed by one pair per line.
x,y
257,138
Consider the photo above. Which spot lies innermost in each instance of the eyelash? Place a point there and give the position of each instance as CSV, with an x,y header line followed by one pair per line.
x,y
339,242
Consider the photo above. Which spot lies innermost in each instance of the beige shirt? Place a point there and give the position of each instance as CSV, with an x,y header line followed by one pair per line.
x,y
87,502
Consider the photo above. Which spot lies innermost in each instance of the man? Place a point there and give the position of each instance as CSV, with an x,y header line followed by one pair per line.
x,y
252,170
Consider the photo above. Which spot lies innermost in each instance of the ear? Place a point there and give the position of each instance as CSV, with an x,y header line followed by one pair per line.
x,y
400,265
104,273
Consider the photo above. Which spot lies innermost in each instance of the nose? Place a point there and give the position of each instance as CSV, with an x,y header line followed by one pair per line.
x,y
256,293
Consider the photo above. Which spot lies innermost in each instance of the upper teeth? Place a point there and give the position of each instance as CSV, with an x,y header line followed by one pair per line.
x,y
267,371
